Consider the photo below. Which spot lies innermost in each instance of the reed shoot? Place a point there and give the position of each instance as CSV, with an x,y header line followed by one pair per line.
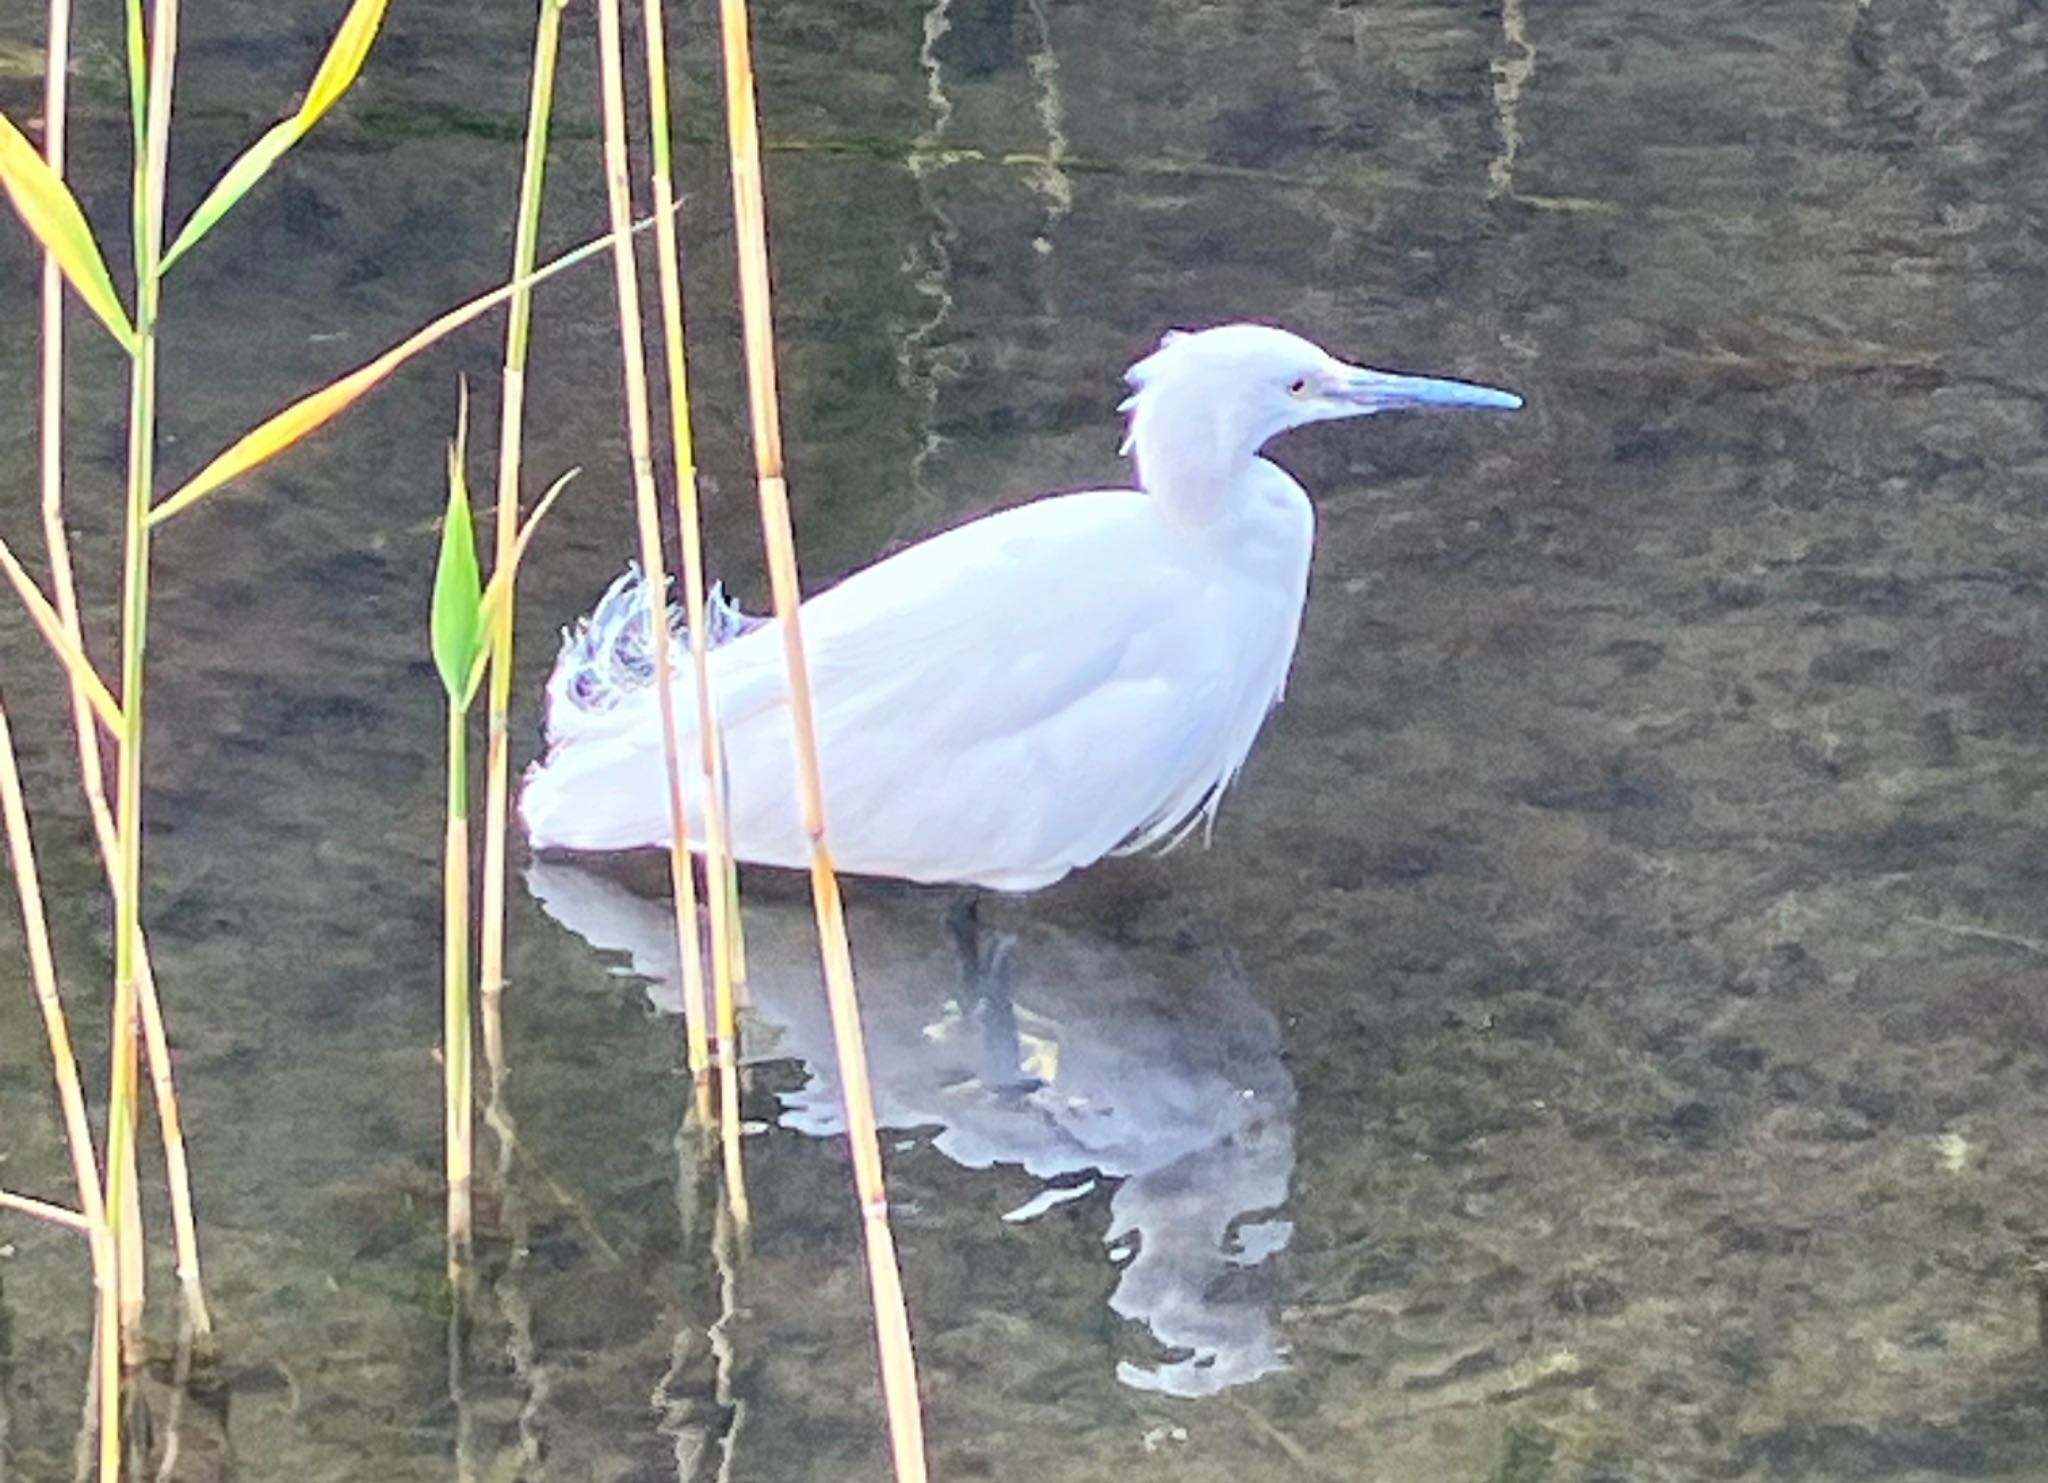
x,y
456,633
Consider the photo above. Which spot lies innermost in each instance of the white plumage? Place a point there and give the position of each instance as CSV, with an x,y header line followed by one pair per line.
x,y
1015,698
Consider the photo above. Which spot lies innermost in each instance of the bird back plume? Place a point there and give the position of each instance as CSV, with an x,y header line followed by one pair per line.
x,y
609,656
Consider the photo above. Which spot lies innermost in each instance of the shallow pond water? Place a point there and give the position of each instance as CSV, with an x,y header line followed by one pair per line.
x,y
1607,1038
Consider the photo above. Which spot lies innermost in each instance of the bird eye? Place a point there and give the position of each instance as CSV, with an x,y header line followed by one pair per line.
x,y
1298,387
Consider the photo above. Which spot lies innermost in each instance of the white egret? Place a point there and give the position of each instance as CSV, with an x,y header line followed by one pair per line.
x,y
1015,698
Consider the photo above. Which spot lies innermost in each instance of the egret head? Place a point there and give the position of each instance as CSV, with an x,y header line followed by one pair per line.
x,y
1220,395
1266,380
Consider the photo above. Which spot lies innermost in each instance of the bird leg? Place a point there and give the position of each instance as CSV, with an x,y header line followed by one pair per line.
x,y
985,970
1002,1048
963,924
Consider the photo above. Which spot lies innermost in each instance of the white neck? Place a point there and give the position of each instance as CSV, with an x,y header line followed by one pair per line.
x,y
1191,458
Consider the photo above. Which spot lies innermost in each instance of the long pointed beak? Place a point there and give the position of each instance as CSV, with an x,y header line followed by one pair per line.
x,y
1385,391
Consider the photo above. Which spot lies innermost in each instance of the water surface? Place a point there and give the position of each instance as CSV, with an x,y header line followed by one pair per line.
x,y
1629,929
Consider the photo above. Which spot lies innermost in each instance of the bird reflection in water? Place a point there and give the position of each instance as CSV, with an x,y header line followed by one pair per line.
x,y
1075,1058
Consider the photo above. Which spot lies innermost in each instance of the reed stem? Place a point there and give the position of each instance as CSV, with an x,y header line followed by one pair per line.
x,y
647,516
64,1062
50,425
177,1168
456,1057
892,1326
92,1209
123,1199
511,427
43,974
45,1210
721,883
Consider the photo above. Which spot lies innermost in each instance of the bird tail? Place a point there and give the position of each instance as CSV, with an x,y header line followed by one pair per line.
x,y
595,786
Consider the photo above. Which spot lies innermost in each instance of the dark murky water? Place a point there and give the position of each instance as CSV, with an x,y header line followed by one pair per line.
x,y
1606,1039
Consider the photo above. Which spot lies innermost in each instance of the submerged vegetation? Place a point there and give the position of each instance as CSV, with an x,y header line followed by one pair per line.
x,y
471,627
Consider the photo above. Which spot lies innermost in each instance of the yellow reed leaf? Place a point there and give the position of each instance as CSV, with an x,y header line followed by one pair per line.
x,y
344,59
76,665
278,433
52,217
315,410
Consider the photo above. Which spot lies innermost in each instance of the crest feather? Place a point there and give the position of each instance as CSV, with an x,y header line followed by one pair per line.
x,y
1141,374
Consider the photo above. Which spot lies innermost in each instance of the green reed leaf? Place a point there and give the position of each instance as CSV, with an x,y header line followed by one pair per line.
x,y
338,69
457,625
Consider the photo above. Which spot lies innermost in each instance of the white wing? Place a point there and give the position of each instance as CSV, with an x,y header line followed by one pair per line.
x,y
1000,704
